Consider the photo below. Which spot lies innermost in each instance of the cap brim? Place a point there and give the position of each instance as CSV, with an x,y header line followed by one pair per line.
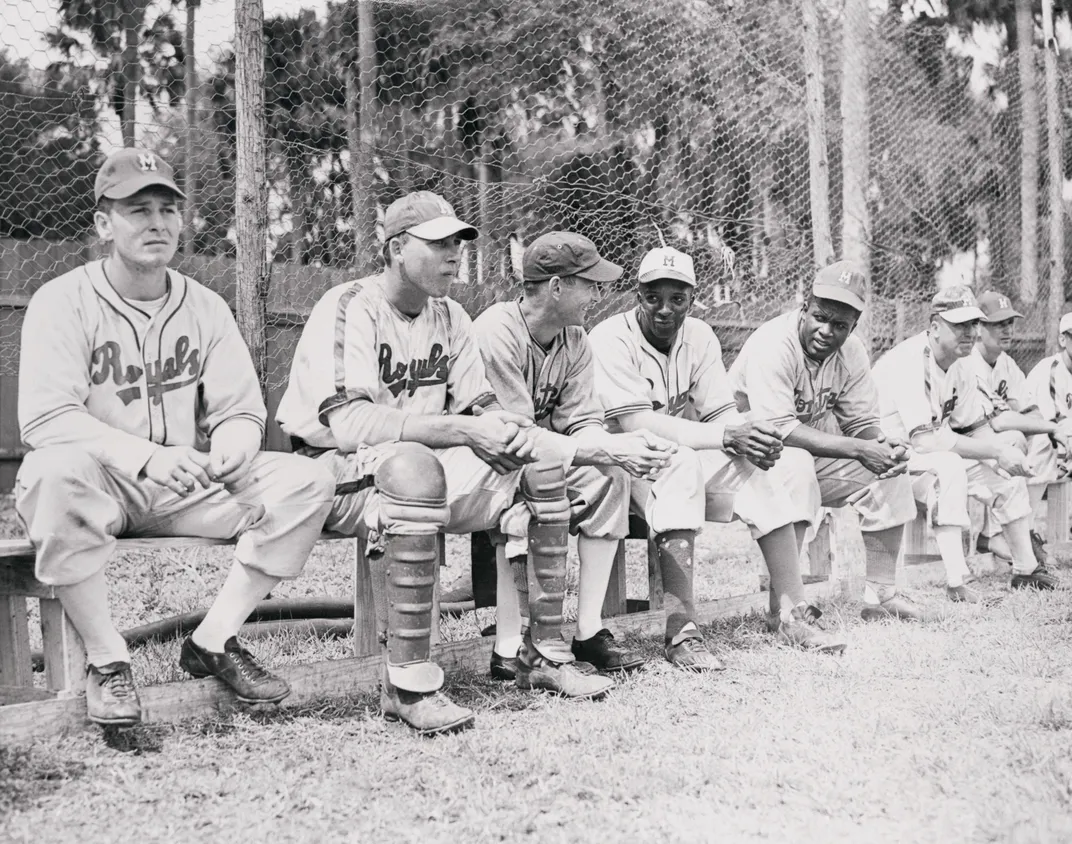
x,y
958,315
838,294
601,271
1002,315
442,227
666,273
127,189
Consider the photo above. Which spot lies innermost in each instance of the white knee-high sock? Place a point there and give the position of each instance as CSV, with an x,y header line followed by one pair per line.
x,y
88,608
1019,535
1035,493
597,560
508,615
951,547
244,588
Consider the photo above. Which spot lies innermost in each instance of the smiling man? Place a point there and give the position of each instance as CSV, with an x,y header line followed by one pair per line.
x,y
807,374
143,410
931,397
658,369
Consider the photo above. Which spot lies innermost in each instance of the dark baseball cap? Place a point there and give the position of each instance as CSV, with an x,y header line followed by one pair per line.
x,y
129,170
425,215
566,253
997,307
842,281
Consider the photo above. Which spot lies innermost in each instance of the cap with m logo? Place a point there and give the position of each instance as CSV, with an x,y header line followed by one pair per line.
x,y
665,262
129,170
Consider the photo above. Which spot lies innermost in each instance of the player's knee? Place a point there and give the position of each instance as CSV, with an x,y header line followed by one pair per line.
x,y
313,479
412,486
59,467
948,467
543,487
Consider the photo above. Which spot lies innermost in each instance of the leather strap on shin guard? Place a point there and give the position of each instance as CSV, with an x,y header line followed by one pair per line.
x,y
543,485
410,562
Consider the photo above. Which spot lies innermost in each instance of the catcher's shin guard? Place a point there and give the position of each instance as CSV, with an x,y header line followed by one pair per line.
x,y
413,509
543,486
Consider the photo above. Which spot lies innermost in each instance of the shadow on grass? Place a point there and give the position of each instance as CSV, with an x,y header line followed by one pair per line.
x,y
27,775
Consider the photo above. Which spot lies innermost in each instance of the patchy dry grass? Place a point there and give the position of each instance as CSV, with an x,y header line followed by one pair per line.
x,y
960,730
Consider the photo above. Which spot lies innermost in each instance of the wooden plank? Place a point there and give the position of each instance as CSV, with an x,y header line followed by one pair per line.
x,y
23,694
314,682
17,578
1058,500
614,601
820,550
65,655
655,578
366,632
914,545
15,668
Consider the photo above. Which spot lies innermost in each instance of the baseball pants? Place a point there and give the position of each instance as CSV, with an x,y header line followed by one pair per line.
x,y
1042,460
943,481
74,507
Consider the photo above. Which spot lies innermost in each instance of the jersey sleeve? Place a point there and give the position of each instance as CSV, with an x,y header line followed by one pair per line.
x,y
856,408
902,377
622,389
355,364
578,405
229,386
765,374
503,356
710,388
54,381
467,380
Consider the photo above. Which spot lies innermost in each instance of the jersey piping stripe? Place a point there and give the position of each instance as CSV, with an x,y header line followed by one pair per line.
x,y
628,408
340,337
1053,389
718,411
137,340
159,357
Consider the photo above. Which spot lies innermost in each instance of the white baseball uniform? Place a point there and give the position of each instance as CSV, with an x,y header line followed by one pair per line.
x,y
690,382
1049,388
916,396
359,353
774,380
103,383
555,387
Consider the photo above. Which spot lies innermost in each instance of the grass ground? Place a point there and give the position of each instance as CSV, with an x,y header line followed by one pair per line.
x,y
958,730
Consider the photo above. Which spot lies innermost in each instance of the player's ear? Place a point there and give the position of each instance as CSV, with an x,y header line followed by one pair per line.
x,y
103,222
554,286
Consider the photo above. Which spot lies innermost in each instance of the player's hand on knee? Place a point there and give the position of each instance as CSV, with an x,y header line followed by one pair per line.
x,y
756,440
179,468
642,454
492,439
229,469
879,457
1013,461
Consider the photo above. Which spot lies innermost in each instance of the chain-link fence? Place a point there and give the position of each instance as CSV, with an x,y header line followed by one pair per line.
x,y
626,120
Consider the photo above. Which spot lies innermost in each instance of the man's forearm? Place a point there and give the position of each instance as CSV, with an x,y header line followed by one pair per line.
x,y
240,434
822,444
1009,420
701,436
364,423
975,449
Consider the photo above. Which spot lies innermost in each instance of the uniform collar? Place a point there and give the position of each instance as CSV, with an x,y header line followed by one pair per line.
x,y
101,285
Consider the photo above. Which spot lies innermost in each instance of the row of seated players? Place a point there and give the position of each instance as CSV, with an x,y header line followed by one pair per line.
x,y
140,403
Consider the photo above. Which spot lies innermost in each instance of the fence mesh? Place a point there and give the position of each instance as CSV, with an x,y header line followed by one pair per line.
x,y
626,120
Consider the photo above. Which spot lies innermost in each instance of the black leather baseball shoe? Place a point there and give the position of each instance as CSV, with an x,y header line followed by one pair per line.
x,y
605,653
111,698
237,668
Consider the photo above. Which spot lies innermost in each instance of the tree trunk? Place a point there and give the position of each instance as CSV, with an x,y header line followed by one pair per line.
x,y
133,16
251,188
1056,302
361,130
818,162
1029,158
855,139
189,180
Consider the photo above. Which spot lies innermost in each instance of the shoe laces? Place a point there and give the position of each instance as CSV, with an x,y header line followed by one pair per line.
x,y
692,645
247,666
119,684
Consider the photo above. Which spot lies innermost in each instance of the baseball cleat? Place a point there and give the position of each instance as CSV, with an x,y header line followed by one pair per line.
x,y
603,652
1041,578
965,594
236,668
692,654
111,698
896,606
800,630
429,713
572,680
503,667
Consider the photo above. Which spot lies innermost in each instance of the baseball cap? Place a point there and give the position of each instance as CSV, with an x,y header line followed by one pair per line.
x,y
566,253
842,281
956,304
426,215
129,170
667,262
996,307
1066,323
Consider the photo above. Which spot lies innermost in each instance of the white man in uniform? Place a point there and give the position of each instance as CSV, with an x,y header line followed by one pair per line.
x,y
806,373
660,370
388,389
540,365
1013,408
141,406
930,396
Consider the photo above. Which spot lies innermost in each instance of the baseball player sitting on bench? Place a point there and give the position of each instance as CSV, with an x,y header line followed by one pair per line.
x,y
388,388
805,372
1012,408
141,406
540,366
930,397
660,370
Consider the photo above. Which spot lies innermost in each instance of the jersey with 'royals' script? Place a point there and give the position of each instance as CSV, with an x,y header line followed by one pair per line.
x,y
357,346
774,380
553,386
632,375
